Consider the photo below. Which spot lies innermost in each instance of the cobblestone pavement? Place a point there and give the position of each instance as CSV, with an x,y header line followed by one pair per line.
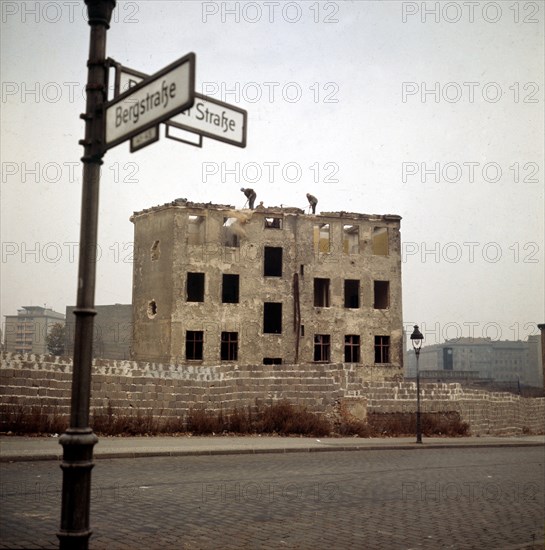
x,y
487,498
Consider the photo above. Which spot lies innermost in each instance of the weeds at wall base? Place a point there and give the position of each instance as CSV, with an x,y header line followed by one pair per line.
x,y
280,418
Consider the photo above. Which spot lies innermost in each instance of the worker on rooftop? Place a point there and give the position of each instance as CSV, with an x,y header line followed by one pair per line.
x,y
312,201
250,195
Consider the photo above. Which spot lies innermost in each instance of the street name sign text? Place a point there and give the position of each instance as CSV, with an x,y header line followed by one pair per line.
x,y
151,101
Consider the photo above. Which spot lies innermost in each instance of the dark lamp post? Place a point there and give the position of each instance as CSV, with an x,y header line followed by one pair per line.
x,y
416,340
79,439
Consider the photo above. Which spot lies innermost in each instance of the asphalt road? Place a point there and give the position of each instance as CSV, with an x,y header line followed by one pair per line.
x,y
482,498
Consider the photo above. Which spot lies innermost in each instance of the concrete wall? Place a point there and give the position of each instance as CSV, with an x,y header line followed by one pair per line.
x,y
170,390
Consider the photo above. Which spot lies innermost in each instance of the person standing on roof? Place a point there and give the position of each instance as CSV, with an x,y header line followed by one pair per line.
x,y
250,195
312,201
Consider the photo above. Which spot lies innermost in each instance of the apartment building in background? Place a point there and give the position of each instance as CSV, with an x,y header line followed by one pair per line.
x,y
26,332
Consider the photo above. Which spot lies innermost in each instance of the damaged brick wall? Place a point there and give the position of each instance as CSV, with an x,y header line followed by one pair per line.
x,y
170,390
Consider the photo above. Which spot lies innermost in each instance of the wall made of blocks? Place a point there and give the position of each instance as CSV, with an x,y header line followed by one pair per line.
x,y
171,390
487,413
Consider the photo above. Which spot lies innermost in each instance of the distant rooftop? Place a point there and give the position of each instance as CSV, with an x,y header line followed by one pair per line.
x,y
37,311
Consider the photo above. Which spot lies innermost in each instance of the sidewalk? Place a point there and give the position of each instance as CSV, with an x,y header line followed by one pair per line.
x,y
16,448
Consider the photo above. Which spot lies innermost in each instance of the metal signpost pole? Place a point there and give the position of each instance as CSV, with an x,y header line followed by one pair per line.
x,y
79,439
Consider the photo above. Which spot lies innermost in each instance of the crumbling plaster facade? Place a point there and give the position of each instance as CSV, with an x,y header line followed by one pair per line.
x,y
278,254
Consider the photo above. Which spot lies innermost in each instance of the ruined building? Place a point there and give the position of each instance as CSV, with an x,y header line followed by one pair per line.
x,y
216,285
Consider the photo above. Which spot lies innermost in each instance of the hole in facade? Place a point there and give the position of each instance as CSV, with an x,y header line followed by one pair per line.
x,y
321,292
273,223
272,263
351,293
321,238
152,309
351,239
230,289
382,294
155,251
195,230
272,318
380,241
195,287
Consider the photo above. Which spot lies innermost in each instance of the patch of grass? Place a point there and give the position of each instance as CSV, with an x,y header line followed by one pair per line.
x,y
32,420
286,419
282,418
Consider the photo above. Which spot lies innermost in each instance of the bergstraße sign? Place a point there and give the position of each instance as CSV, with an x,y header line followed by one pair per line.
x,y
151,101
208,117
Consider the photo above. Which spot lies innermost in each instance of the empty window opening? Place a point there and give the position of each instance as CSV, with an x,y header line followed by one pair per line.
x,y
380,241
194,345
273,223
152,309
351,293
321,238
231,231
302,330
272,360
229,346
195,287
382,349
352,348
382,294
230,289
195,230
351,239
272,318
321,292
322,346
302,270
272,264
155,251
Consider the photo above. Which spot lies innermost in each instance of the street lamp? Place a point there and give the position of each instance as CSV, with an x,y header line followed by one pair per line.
x,y
79,439
416,340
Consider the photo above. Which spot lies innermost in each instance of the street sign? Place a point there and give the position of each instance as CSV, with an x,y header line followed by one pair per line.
x,y
208,117
151,101
147,137
214,119
179,134
126,78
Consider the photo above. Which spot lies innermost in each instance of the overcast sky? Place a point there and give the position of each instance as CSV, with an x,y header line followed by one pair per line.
x,y
434,114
